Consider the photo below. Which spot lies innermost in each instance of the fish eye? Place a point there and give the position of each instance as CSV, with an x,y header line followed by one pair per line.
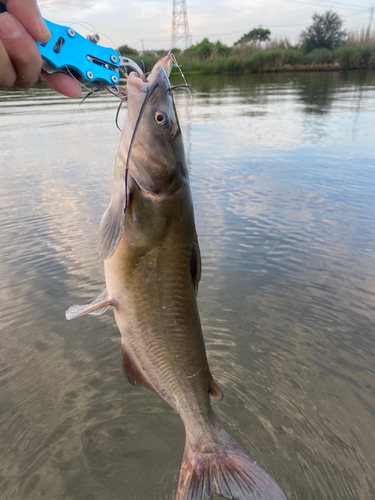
x,y
161,118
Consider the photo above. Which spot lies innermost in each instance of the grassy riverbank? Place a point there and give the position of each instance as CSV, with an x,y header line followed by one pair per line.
x,y
257,61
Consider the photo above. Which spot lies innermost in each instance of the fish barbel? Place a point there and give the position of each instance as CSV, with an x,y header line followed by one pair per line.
x,y
152,268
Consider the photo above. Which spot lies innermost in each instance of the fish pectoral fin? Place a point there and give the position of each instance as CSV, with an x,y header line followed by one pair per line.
x,y
112,224
96,308
214,391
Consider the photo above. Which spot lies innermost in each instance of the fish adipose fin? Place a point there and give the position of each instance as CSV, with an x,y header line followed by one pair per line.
x,y
229,471
216,394
96,308
112,225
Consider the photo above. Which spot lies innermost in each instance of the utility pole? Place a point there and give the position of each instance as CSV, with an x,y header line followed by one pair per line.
x,y
372,13
180,25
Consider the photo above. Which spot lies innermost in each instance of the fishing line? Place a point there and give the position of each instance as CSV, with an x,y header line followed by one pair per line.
x,y
74,78
142,90
91,28
187,86
149,94
79,23
86,96
150,91
124,98
183,87
118,112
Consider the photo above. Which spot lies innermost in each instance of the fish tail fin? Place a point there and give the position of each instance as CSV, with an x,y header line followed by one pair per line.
x,y
227,470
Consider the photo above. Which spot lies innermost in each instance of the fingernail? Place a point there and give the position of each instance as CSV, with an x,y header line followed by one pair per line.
x,y
44,31
9,28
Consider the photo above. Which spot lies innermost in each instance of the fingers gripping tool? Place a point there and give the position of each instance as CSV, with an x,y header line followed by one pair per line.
x,y
70,53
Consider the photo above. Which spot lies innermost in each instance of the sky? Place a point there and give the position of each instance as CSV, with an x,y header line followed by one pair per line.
x,y
148,24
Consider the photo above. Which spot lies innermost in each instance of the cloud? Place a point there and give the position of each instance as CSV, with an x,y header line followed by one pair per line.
x,y
74,9
148,23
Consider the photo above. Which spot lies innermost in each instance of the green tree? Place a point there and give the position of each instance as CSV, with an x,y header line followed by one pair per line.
x,y
205,49
125,50
256,34
202,50
324,33
221,49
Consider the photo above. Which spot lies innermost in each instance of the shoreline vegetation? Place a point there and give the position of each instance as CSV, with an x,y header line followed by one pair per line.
x,y
271,60
323,46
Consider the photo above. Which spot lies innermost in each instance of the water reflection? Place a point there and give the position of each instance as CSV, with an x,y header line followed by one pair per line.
x,y
282,179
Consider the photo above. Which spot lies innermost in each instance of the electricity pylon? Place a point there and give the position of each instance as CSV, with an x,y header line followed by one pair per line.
x,y
180,25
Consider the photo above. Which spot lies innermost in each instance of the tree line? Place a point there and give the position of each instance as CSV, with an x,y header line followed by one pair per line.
x,y
323,42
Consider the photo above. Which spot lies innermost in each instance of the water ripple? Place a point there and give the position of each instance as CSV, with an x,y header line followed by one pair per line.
x,y
282,179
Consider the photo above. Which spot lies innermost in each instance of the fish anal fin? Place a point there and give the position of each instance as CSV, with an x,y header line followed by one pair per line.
x,y
96,308
216,394
134,375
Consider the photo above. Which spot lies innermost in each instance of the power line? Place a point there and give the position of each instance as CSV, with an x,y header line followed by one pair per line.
x,y
355,14
228,33
221,34
244,30
337,5
343,4
362,11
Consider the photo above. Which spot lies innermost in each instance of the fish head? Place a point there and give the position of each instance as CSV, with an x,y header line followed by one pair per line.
x,y
150,165
156,149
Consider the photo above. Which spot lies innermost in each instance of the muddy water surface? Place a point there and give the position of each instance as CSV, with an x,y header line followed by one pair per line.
x,y
283,179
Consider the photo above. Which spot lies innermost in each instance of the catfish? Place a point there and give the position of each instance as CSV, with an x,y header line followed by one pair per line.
x,y
152,262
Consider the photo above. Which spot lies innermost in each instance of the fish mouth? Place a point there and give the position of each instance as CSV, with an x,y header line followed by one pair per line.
x,y
135,81
166,63
138,91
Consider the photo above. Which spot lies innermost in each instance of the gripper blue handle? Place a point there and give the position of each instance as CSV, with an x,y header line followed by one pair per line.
x,y
67,51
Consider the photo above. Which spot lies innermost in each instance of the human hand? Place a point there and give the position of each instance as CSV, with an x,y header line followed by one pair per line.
x,y
20,61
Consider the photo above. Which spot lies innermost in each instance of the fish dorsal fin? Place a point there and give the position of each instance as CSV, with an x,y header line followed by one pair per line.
x,y
112,225
134,375
96,308
196,264
216,394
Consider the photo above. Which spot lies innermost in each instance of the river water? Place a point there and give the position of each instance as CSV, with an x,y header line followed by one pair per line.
x,y
283,178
